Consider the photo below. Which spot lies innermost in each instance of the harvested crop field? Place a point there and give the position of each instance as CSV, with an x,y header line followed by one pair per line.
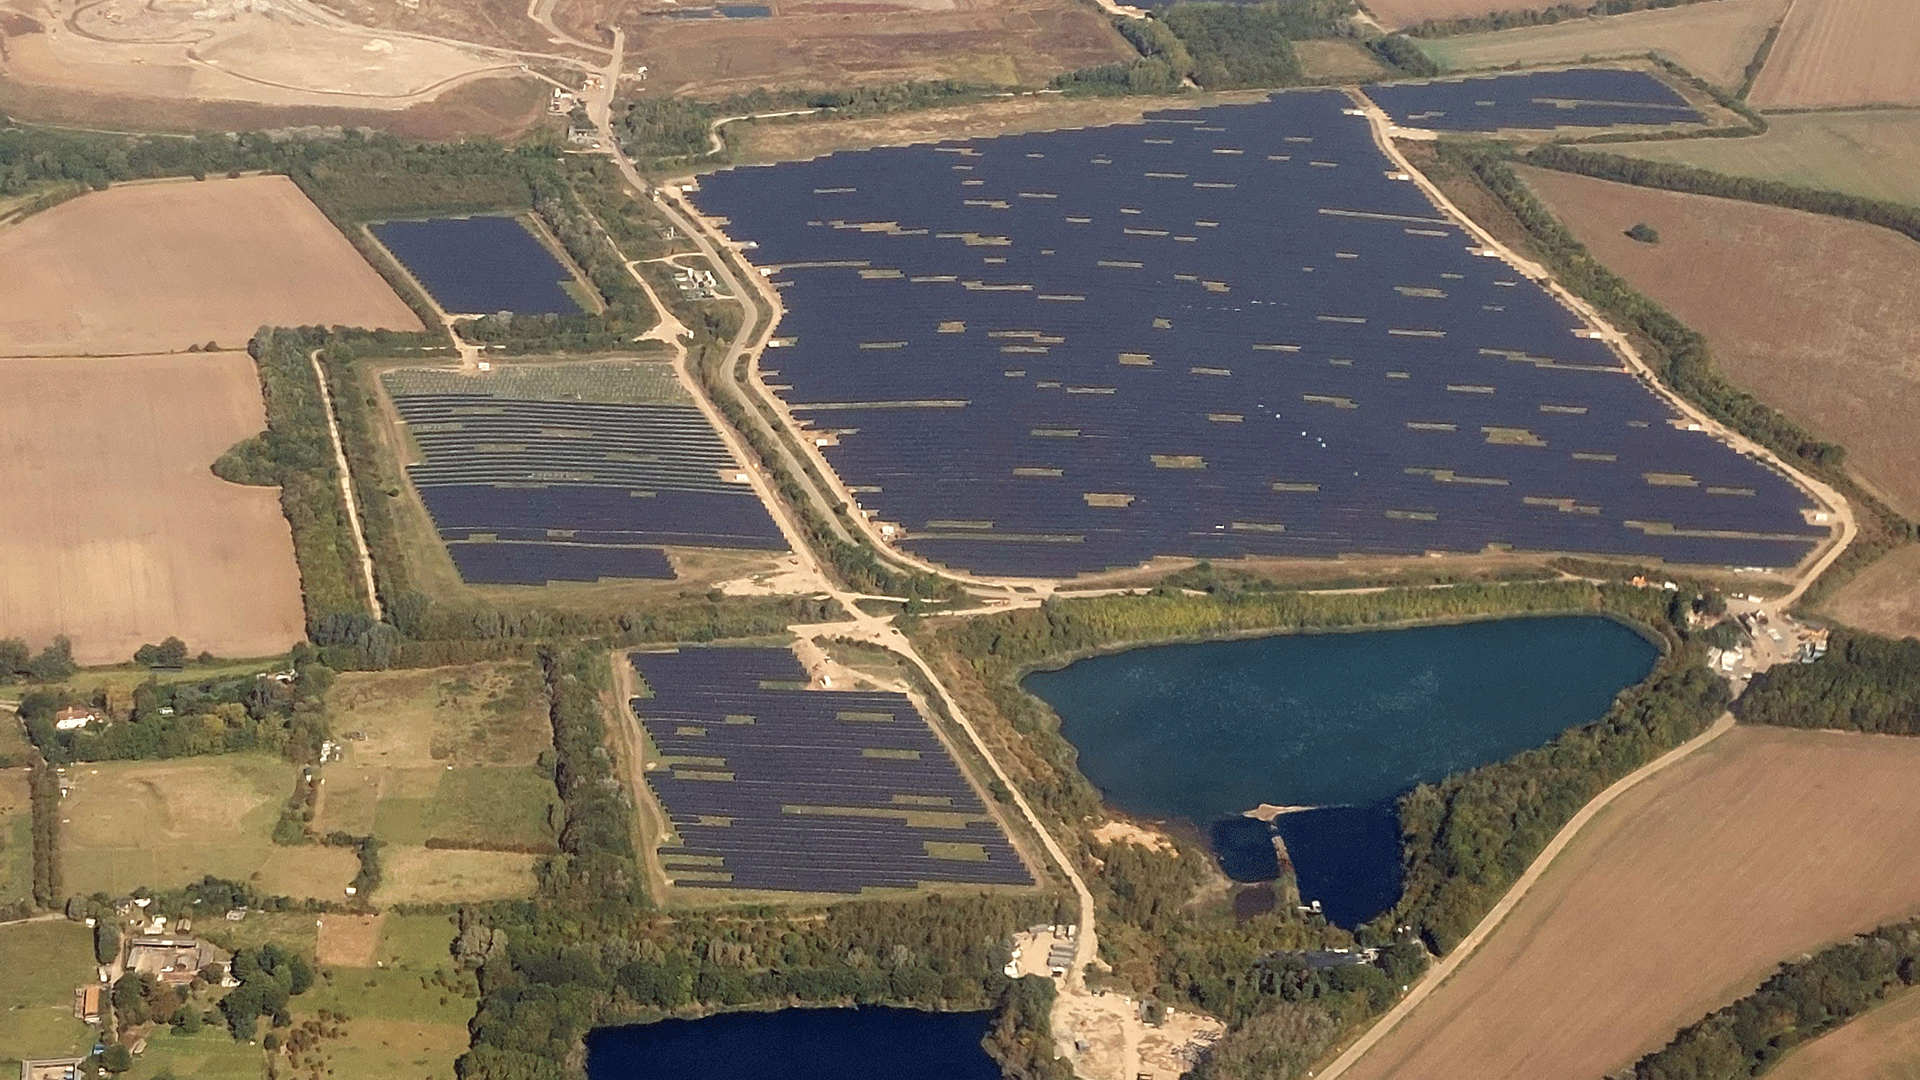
x,y
1843,52
1394,14
165,823
116,532
1682,895
990,42
1713,40
1882,1045
144,268
1884,598
1813,314
1873,152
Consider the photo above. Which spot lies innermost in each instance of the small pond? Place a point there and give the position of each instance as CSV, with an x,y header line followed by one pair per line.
x,y
1338,723
797,1044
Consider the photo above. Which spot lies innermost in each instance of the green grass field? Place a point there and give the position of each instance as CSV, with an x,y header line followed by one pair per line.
x,y
406,1020
210,1055
1871,153
165,823
43,962
16,837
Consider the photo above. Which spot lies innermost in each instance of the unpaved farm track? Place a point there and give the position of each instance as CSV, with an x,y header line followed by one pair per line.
x,y
1682,895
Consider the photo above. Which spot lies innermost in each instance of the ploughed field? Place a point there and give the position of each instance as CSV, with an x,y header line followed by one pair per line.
x,y
1220,332
1681,896
1811,313
769,786
1580,97
158,267
480,265
582,472
116,531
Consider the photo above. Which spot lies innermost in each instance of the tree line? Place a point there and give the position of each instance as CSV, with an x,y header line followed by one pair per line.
x,y
1546,16
1864,683
1677,352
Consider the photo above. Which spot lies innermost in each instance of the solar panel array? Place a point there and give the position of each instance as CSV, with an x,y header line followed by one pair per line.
x,y
769,786
529,481
1225,331
1581,97
480,265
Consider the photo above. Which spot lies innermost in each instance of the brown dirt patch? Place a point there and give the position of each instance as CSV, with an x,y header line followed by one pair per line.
x,y
158,267
348,940
997,42
1882,1045
116,532
1813,314
1884,598
1713,40
1844,52
1679,897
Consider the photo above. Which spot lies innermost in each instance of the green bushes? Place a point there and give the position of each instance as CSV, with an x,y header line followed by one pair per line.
x,y
1800,1002
1864,683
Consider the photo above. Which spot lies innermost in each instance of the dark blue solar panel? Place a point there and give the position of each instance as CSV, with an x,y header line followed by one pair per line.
x,y
480,265
1220,332
539,564
1583,97
769,786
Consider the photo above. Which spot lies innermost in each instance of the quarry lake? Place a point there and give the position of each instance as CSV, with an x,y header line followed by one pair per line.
x,y
797,1044
1343,723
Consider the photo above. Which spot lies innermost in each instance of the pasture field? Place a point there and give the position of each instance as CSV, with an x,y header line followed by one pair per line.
x,y
43,962
123,535
1874,153
1882,1045
448,760
157,267
209,1055
1843,52
1714,40
16,836
164,823
1811,313
853,43
1884,598
1337,58
1679,897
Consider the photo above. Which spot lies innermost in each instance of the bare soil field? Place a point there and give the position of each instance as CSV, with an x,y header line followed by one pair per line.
x,y
999,42
347,940
1843,52
156,267
1813,314
1884,598
1337,58
269,52
1873,153
1882,1045
1681,896
164,823
116,532
1715,41
1394,14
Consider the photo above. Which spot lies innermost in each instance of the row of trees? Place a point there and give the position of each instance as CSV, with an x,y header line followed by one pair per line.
x,y
18,661
182,719
1546,16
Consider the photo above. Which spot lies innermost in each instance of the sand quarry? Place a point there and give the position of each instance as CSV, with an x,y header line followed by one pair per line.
x,y
1681,896
117,533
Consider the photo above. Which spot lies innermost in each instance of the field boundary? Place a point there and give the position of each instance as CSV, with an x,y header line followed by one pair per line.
x,y
1459,954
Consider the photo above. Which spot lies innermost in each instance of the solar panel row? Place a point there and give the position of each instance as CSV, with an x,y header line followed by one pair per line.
x,y
1582,97
480,265
527,489
768,785
1221,332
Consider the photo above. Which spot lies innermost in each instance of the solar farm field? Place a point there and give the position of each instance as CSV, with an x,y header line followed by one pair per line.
x,y
1222,332
1579,97
770,786
480,265
578,472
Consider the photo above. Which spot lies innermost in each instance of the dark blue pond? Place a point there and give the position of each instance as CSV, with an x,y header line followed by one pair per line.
x,y
480,265
1340,722
797,1044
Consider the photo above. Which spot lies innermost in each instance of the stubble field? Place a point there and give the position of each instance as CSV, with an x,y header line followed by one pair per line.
x,y
1813,314
146,268
1884,598
1843,52
1681,896
1713,40
1882,1045
116,532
